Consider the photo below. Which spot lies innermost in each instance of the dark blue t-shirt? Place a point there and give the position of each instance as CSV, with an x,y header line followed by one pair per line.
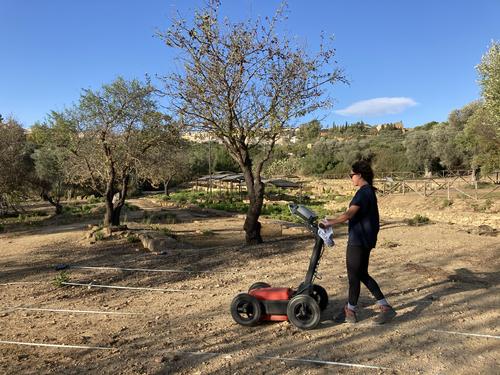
x,y
364,226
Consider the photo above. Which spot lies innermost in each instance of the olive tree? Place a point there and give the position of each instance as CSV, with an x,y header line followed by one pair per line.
x,y
16,167
243,83
107,134
482,131
419,151
50,178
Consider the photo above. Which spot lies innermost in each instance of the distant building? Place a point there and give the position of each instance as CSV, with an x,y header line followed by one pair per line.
x,y
200,137
395,125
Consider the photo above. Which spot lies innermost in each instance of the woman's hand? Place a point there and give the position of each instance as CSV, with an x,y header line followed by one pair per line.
x,y
323,224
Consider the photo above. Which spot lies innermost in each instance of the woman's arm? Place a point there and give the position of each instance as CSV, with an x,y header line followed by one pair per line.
x,y
348,215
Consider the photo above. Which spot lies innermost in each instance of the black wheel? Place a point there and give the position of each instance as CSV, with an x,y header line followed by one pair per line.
x,y
246,309
321,296
303,312
258,285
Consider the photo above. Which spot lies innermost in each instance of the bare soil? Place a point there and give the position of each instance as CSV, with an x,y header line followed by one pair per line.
x,y
439,277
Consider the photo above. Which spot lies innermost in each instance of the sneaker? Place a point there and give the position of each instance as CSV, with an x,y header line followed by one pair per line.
x,y
385,315
346,315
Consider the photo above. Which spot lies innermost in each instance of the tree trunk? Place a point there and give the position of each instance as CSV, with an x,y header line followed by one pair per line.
x,y
255,189
114,206
112,216
115,216
108,217
165,186
59,208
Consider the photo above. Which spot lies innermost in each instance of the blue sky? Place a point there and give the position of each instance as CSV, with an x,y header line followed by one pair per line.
x,y
406,60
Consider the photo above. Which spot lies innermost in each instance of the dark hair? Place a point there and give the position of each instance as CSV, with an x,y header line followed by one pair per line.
x,y
365,170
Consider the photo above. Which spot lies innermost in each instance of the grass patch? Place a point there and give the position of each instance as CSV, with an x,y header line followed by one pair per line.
x,y
228,206
61,278
183,197
2,228
29,218
159,217
418,220
482,206
83,210
446,203
390,244
169,233
93,200
165,231
131,207
133,239
207,232
99,235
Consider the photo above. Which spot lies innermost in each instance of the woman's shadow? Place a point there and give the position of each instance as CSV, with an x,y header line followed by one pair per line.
x,y
462,280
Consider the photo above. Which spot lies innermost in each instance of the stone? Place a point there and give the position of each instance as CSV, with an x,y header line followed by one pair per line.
x,y
271,230
157,243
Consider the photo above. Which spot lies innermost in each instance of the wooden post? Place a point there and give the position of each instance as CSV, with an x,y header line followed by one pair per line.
x,y
403,187
448,188
425,188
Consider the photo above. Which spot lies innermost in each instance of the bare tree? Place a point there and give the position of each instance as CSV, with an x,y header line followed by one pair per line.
x,y
167,161
243,83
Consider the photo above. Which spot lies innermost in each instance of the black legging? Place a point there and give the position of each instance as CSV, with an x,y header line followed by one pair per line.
x,y
357,259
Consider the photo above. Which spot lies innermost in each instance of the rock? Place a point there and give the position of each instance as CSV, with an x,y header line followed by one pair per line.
x,y
486,230
157,243
271,230
170,357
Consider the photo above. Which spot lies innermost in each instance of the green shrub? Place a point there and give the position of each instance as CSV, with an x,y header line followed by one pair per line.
x,y
2,228
92,199
446,203
481,207
99,235
207,232
418,220
80,210
159,217
169,233
133,239
226,206
61,278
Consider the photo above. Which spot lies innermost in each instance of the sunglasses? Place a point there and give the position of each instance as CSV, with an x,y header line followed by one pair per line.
x,y
352,174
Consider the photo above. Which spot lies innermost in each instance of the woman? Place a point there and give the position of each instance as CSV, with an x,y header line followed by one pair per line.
x,y
364,225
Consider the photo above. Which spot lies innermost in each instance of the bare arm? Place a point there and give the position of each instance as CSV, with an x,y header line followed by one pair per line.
x,y
348,215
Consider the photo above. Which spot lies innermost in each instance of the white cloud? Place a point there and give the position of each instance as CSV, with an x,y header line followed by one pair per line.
x,y
378,107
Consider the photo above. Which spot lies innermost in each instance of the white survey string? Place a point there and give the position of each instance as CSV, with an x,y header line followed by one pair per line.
x,y
133,288
105,268
22,283
74,311
305,360
54,345
467,334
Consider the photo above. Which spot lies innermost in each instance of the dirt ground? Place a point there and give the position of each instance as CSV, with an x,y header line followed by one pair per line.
x,y
439,277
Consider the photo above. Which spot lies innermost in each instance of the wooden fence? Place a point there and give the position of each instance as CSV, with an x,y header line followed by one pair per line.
x,y
468,184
